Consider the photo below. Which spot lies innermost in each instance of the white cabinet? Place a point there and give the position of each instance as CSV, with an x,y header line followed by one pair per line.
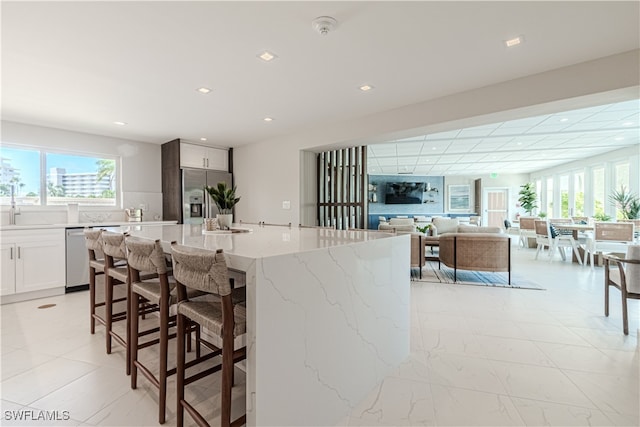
x,y
32,260
201,157
8,273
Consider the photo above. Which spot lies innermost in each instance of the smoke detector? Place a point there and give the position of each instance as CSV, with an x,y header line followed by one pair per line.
x,y
324,24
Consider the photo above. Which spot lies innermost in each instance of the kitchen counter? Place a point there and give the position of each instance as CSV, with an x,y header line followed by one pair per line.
x,y
327,314
6,227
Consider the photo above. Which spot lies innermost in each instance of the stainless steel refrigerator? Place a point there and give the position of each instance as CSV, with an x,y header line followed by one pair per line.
x,y
196,203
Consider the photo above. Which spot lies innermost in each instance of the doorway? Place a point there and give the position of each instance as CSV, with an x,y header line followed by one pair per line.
x,y
496,210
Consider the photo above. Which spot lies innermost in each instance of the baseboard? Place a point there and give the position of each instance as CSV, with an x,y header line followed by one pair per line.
x,y
26,296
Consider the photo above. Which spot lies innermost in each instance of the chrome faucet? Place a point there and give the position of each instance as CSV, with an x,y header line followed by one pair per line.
x,y
13,211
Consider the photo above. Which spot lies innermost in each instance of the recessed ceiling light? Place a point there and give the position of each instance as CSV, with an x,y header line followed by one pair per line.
x,y
519,143
433,148
514,41
564,119
365,88
120,123
268,119
619,138
203,139
203,90
267,56
627,124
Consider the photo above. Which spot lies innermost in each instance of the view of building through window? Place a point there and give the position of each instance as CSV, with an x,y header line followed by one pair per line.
x,y
68,178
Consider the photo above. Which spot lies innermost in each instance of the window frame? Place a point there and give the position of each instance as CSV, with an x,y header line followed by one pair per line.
x,y
44,205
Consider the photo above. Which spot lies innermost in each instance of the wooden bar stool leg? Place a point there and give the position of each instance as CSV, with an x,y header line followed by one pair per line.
x,y
135,304
108,305
92,298
180,369
164,344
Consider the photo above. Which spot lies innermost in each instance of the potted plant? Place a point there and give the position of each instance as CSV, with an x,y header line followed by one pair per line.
x,y
225,199
627,202
425,229
528,197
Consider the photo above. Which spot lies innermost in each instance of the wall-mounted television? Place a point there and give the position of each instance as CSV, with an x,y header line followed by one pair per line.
x,y
405,193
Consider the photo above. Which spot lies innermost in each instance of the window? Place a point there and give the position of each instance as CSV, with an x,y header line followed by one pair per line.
x,y
549,207
622,182
564,196
50,178
578,194
598,194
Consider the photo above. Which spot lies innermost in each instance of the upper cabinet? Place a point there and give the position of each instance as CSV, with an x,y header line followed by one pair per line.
x,y
201,157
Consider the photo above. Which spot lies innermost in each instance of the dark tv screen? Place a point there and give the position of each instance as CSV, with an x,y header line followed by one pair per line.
x,y
404,193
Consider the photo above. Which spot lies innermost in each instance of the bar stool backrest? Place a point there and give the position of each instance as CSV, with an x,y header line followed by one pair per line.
x,y
93,241
146,255
200,269
113,245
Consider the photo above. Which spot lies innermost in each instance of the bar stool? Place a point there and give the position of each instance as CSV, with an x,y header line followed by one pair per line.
x,y
207,271
144,255
93,241
116,273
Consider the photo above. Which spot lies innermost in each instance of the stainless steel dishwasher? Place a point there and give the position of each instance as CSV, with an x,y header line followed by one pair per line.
x,y
77,260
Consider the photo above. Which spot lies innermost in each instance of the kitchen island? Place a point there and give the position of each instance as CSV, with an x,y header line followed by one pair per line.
x,y
327,314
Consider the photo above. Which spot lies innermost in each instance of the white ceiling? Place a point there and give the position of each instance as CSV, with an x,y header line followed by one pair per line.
x,y
517,146
84,65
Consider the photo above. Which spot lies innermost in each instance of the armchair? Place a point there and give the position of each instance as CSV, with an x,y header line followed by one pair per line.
x,y
626,278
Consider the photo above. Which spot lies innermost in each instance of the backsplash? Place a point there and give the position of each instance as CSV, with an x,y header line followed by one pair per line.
x,y
151,203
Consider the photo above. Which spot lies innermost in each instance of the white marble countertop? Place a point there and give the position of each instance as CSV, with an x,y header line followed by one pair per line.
x,y
7,227
261,241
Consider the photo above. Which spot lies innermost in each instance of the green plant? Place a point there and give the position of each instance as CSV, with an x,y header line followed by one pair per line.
x,y
223,196
528,197
627,202
424,229
542,214
601,216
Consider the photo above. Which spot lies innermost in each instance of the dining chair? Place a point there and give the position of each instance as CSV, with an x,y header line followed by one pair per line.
x,y
623,274
527,229
546,237
207,271
609,237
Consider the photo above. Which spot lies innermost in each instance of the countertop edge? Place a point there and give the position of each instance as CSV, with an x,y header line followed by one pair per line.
x,y
81,225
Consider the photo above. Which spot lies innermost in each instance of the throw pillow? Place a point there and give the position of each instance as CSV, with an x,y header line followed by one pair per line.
x,y
554,231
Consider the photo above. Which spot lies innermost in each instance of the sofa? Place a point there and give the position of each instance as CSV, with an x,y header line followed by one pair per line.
x,y
403,225
442,225
476,251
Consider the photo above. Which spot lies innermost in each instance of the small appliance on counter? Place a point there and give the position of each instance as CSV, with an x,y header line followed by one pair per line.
x,y
133,215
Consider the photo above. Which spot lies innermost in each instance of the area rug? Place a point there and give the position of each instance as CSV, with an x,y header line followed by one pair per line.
x,y
430,273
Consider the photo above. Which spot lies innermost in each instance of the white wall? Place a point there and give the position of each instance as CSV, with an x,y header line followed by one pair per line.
x,y
269,172
140,170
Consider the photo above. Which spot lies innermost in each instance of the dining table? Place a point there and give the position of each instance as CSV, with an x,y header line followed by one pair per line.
x,y
328,313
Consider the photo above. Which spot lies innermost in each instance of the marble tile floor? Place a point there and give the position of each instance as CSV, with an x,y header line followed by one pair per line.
x,y
479,356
